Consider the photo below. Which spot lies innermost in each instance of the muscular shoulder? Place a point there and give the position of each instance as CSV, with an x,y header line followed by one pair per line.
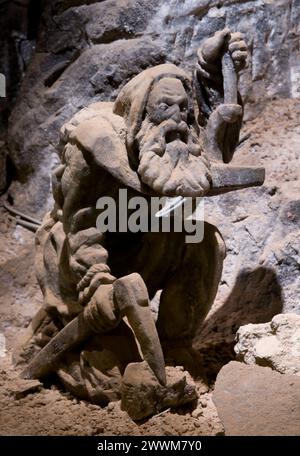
x,y
100,135
93,124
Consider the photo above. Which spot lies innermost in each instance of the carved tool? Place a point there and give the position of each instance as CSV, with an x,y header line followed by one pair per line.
x,y
20,214
131,298
230,83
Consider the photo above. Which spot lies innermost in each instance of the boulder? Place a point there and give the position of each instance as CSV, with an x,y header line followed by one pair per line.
x,y
143,396
21,388
275,344
256,401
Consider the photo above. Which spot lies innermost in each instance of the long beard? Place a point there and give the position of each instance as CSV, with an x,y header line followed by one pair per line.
x,y
170,160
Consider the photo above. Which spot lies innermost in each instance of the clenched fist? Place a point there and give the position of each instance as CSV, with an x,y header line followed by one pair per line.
x,y
98,274
212,50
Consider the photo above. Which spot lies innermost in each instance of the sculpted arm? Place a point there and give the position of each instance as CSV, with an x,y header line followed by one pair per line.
x,y
221,119
75,190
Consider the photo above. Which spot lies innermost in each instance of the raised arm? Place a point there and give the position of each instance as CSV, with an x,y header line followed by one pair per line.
x,y
221,119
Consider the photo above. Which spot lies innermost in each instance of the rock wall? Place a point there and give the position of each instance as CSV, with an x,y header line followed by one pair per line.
x,y
18,21
261,230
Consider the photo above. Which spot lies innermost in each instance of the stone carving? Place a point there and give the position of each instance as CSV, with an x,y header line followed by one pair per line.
x,y
167,134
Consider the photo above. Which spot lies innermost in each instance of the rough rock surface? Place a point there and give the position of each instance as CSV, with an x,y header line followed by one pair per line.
x,y
275,344
55,412
143,396
256,401
17,37
22,388
261,230
3,177
2,346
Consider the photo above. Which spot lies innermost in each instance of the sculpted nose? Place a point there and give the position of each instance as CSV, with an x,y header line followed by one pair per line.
x,y
175,113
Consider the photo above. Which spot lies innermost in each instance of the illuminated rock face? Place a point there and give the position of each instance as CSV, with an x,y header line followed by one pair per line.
x,y
275,344
254,400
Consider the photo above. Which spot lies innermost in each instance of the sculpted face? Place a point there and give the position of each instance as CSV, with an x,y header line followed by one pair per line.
x,y
169,149
168,100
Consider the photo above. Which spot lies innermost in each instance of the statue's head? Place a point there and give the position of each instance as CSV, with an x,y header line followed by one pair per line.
x,y
162,138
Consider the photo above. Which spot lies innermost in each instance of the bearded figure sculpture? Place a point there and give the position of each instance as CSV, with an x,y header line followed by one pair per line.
x,y
167,134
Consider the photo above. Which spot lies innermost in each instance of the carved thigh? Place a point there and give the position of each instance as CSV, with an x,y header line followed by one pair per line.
x,y
191,290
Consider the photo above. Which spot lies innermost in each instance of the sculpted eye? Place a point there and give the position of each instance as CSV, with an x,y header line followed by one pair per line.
x,y
163,106
183,107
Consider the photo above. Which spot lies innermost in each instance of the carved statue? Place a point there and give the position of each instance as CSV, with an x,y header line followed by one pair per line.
x,y
166,134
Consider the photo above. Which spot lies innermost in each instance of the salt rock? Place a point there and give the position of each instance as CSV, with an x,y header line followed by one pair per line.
x,y
275,344
2,346
21,388
254,400
143,396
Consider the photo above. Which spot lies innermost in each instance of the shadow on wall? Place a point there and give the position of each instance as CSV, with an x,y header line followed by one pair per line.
x,y
255,298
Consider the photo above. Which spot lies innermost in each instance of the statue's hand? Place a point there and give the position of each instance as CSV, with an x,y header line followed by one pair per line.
x,y
238,50
98,274
216,126
229,113
212,50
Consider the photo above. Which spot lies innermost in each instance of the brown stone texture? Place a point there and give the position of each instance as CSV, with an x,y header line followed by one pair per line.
x,y
143,396
257,401
261,230
275,344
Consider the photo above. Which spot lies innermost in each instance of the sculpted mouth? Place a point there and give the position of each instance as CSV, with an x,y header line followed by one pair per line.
x,y
176,132
175,135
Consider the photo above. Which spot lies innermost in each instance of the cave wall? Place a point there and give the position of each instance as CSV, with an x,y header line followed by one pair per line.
x,y
19,21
